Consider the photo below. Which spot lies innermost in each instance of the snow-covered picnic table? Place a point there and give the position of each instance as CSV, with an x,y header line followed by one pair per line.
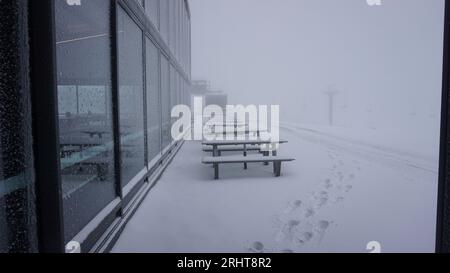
x,y
217,159
216,143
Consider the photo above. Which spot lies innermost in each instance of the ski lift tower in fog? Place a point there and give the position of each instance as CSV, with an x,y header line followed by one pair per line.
x,y
331,92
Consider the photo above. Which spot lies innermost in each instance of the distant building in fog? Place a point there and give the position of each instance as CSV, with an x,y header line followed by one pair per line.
x,y
217,98
203,90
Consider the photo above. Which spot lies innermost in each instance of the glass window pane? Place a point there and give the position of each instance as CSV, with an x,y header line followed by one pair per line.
x,y
17,198
17,207
131,98
153,105
164,19
152,10
180,91
177,28
172,24
165,101
17,218
173,88
84,91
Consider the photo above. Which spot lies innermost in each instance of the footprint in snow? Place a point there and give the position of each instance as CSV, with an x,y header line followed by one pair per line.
x,y
257,247
339,199
321,200
287,231
323,225
293,206
292,224
309,213
305,238
328,184
321,228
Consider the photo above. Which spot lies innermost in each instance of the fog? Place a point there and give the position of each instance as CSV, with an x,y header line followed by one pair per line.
x,y
385,61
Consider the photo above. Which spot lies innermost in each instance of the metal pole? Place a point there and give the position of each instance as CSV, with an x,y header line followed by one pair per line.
x,y
331,93
443,208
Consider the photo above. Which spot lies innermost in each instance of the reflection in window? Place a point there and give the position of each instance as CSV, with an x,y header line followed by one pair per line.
x,y
84,94
131,97
153,103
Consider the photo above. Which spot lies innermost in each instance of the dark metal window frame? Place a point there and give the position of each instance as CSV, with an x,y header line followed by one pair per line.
x,y
46,126
443,206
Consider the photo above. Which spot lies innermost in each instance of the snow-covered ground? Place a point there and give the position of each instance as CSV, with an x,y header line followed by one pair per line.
x,y
337,196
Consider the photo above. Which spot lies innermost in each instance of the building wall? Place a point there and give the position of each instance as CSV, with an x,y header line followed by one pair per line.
x,y
120,67
153,75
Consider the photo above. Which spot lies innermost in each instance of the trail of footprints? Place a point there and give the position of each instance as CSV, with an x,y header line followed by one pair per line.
x,y
299,224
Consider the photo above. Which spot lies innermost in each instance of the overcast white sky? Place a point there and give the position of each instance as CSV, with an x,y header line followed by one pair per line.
x,y
386,60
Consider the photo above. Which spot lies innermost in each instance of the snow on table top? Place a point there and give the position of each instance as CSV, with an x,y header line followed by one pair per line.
x,y
240,142
240,158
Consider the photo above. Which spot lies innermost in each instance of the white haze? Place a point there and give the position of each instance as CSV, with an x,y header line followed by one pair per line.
x,y
386,60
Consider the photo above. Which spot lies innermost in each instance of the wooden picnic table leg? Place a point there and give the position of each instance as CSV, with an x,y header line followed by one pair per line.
x,y
245,154
215,153
277,168
216,171
266,153
81,150
274,149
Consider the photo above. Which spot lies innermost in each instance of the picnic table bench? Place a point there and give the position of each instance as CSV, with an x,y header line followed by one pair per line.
x,y
216,161
245,146
239,132
72,145
244,143
232,149
100,163
227,124
93,133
